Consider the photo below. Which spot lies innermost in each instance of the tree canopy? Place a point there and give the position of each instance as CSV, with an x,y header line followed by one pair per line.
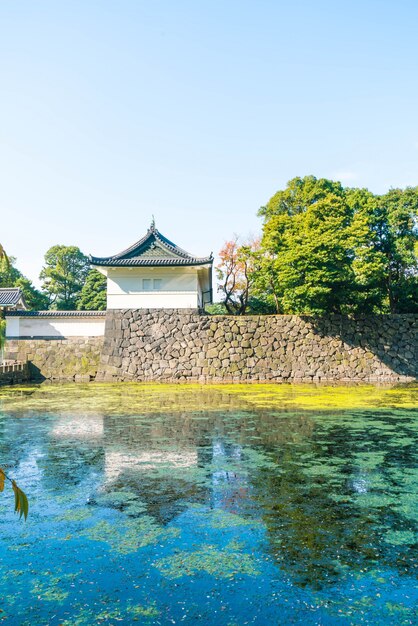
x,y
235,273
64,275
93,294
330,249
10,276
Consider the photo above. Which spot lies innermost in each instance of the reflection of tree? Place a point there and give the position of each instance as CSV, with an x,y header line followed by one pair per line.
x,y
173,458
165,495
67,467
75,450
313,536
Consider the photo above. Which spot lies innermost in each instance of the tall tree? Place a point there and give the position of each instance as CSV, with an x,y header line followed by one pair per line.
x,y
328,249
308,243
399,245
235,274
63,276
93,294
385,233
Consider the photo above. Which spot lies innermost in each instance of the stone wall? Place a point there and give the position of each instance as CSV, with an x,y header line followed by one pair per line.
x,y
73,358
179,345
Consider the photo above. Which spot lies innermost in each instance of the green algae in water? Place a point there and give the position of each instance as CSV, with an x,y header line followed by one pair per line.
x,y
401,537
131,613
129,537
73,515
186,504
143,611
218,563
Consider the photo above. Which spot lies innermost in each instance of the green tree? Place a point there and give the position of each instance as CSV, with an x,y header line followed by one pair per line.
x,y
330,249
308,248
63,276
10,276
93,294
399,208
385,262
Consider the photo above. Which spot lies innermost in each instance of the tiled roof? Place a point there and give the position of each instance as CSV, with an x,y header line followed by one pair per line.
x,y
10,296
138,262
55,313
152,249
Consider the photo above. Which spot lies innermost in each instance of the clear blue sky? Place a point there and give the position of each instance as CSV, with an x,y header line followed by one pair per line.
x,y
194,111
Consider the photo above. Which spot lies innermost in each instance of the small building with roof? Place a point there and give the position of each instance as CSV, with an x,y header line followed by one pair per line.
x,y
12,298
154,273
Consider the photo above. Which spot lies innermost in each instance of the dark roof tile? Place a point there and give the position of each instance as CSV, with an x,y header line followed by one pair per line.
x,y
10,296
152,249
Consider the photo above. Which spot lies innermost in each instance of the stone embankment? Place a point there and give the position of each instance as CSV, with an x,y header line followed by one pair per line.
x,y
68,359
179,345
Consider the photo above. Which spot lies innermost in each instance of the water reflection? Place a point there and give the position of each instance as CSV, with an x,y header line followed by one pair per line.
x,y
192,499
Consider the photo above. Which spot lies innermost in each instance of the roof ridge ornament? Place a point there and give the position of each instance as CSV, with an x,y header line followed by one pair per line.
x,y
152,227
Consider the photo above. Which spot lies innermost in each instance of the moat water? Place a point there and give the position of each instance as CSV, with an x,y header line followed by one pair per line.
x,y
215,505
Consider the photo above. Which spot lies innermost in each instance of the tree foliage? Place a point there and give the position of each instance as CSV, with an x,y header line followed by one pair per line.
x,y
3,256
10,276
21,501
235,274
63,276
329,249
93,294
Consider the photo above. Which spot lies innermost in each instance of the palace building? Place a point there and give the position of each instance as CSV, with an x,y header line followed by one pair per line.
x,y
154,273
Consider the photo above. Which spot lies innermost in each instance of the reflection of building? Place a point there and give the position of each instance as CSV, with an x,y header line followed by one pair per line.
x,y
117,463
78,427
154,273
167,457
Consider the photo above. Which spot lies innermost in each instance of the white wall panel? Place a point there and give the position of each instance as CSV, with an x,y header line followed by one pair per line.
x,y
55,326
153,300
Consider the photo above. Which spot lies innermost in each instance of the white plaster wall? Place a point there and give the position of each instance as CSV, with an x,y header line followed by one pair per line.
x,y
161,300
179,288
12,326
55,326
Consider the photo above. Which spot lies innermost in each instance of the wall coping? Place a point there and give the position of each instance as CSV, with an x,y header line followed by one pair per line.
x,y
56,314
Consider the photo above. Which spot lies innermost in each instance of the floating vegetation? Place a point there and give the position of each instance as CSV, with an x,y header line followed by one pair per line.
x,y
145,398
219,518
401,537
73,515
113,616
226,504
220,563
129,537
116,498
139,611
51,588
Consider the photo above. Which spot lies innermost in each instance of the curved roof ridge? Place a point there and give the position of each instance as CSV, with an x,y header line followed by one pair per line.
x,y
128,256
131,248
171,245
